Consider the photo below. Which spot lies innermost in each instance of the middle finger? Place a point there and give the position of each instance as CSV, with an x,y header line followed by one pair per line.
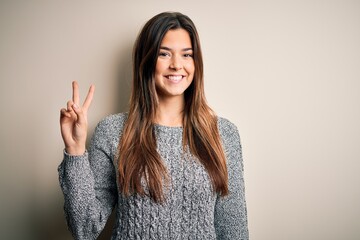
x,y
75,97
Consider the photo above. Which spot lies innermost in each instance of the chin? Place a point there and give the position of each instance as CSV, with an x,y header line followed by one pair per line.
x,y
169,94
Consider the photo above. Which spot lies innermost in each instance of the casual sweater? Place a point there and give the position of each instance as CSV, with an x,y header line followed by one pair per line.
x,y
191,209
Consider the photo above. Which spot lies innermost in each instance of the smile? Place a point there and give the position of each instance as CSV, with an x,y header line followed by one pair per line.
x,y
174,78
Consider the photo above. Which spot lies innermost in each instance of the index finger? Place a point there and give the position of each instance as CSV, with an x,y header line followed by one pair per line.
x,y
89,97
75,96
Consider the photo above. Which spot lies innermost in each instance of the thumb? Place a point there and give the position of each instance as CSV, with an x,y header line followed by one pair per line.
x,y
81,119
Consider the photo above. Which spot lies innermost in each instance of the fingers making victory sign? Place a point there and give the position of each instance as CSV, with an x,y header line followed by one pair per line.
x,y
73,121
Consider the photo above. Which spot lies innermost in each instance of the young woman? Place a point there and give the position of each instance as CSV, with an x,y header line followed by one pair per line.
x,y
170,165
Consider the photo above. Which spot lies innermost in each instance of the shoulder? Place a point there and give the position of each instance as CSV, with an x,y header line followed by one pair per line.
x,y
229,134
113,120
111,124
107,133
226,127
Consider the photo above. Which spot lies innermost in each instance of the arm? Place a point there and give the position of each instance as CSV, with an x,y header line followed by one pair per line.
x,y
88,182
87,179
230,211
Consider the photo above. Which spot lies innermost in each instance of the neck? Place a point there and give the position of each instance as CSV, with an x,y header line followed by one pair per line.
x,y
170,111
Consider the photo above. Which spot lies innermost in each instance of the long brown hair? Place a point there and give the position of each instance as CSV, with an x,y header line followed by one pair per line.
x,y
138,157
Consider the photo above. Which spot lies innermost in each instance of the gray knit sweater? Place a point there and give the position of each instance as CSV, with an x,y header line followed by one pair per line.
x,y
191,209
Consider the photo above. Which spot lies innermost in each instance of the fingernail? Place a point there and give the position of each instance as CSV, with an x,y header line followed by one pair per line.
x,y
76,106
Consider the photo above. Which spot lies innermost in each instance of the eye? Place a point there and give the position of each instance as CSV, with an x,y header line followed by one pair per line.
x,y
164,54
188,55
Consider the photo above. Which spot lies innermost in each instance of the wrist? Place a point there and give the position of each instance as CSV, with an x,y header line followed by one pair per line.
x,y
75,151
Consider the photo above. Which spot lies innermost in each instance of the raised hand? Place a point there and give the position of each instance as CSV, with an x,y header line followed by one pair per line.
x,y
73,121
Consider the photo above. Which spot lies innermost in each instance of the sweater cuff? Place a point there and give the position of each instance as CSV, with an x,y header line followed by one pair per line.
x,y
69,156
71,169
71,160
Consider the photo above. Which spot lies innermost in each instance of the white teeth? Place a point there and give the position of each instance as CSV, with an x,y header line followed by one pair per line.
x,y
174,78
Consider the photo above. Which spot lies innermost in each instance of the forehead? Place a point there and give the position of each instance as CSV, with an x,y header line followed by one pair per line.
x,y
177,39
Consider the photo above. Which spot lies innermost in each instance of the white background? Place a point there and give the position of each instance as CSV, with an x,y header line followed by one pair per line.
x,y
287,73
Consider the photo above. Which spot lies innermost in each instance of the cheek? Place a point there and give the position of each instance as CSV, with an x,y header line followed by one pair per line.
x,y
159,67
190,68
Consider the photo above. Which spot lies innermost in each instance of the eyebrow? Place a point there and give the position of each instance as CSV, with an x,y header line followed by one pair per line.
x,y
169,49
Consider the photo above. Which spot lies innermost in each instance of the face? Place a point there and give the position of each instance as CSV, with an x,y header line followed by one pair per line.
x,y
175,67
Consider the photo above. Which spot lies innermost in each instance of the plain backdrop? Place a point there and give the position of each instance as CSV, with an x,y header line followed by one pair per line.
x,y
287,73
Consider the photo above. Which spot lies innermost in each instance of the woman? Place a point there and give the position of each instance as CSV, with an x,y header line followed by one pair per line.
x,y
172,167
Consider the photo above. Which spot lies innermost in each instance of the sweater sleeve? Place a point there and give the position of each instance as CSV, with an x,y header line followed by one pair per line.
x,y
88,183
230,211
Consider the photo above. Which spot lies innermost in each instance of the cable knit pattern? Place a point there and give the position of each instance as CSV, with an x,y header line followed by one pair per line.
x,y
191,209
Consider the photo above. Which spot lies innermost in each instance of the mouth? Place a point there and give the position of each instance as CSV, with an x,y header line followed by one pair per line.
x,y
175,78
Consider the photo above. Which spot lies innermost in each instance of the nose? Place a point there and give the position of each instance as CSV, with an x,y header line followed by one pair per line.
x,y
176,63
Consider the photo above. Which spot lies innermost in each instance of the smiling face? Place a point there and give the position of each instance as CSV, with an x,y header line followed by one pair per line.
x,y
175,67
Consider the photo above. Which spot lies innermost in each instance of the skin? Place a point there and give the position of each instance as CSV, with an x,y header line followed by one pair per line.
x,y
175,59
73,121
